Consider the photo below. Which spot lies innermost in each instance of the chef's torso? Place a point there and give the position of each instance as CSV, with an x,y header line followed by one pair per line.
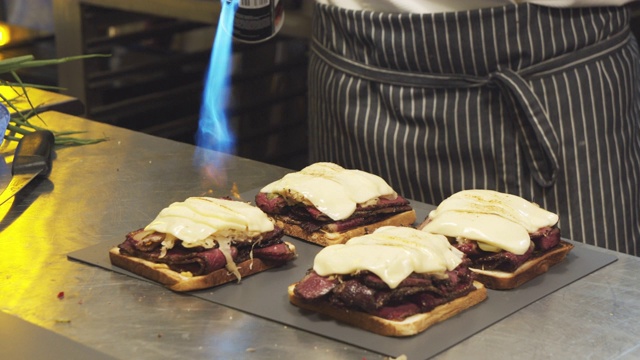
x,y
430,6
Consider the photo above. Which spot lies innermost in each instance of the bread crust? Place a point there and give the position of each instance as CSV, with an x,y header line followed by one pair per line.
x,y
501,280
410,326
324,238
181,282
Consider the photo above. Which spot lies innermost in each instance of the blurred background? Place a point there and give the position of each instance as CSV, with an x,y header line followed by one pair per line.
x,y
154,79
160,51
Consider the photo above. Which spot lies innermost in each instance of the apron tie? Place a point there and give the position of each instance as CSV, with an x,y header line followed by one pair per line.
x,y
536,131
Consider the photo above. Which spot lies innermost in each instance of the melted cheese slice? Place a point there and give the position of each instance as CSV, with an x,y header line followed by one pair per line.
x,y
204,221
333,190
495,220
392,253
497,232
199,221
529,215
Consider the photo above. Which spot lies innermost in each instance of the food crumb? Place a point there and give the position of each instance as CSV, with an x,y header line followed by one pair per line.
x,y
159,335
251,349
235,192
61,295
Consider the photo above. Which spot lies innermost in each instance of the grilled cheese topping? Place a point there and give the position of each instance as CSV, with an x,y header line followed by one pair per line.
x,y
204,221
495,220
333,190
493,230
199,221
392,253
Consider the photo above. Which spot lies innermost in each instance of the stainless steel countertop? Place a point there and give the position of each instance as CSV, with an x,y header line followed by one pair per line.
x,y
97,193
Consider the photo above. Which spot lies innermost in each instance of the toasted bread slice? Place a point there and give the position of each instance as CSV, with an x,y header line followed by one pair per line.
x,y
501,280
410,326
185,282
324,238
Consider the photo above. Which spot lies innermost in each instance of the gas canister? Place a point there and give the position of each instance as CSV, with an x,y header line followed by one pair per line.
x,y
257,20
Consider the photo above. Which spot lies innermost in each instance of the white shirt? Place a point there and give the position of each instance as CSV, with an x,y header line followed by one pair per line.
x,y
430,6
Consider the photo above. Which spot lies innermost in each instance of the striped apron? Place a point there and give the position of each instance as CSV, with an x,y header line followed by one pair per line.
x,y
534,101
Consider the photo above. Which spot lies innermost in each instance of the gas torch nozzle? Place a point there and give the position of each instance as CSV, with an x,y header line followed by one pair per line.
x,y
256,20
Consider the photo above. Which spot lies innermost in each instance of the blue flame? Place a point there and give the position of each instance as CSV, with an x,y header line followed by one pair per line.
x,y
213,128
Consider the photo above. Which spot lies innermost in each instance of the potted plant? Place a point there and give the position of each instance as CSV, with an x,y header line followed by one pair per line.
x,y
17,123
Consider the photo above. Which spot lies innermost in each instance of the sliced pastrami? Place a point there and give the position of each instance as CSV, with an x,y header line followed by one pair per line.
x,y
311,219
366,292
270,204
542,241
201,261
277,253
503,261
546,238
314,286
354,294
397,312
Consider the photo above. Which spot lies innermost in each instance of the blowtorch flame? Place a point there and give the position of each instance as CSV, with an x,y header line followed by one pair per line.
x,y
213,127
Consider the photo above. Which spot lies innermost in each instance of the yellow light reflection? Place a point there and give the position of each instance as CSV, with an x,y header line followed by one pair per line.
x,y
31,253
4,208
5,34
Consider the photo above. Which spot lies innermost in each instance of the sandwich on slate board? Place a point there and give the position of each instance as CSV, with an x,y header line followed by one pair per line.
x,y
508,239
396,281
326,204
203,242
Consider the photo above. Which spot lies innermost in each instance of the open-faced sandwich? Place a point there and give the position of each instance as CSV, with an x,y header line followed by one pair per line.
x,y
326,204
508,239
396,281
203,242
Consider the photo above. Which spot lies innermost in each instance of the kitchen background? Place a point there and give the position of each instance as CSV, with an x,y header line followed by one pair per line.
x,y
160,52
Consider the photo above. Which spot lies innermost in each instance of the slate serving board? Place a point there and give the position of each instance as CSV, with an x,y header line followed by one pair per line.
x,y
265,295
